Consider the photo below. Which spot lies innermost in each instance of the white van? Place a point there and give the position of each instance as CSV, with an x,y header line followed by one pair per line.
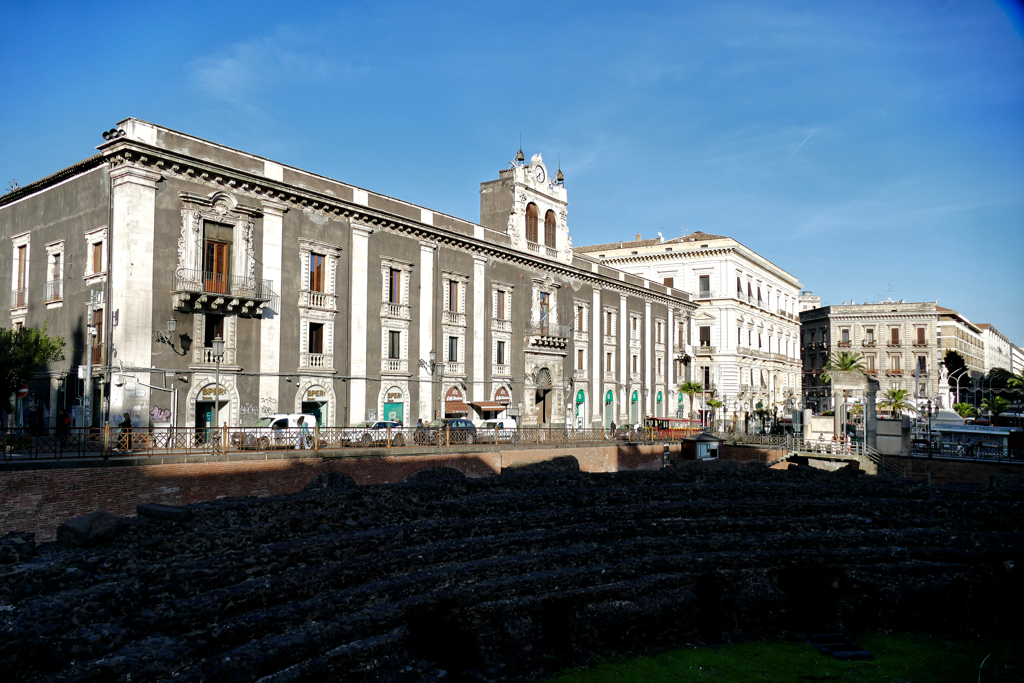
x,y
275,431
502,430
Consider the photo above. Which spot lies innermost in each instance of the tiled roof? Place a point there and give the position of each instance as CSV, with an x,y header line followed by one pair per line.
x,y
35,186
697,236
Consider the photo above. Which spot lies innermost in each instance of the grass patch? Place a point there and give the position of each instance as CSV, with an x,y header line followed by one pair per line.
x,y
899,658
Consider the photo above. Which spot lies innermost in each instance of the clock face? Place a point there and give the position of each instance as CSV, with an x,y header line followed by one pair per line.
x,y
538,173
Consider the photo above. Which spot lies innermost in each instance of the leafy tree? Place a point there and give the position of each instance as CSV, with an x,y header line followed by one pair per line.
x,y
1016,380
995,405
965,410
896,401
844,361
22,352
690,389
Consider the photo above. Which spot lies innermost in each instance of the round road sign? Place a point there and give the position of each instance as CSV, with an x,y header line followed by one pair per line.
x,y
23,391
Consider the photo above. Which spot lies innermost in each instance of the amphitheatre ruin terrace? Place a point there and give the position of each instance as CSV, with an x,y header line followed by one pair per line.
x,y
506,578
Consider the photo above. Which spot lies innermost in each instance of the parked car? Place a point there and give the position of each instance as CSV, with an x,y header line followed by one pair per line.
x,y
453,430
275,431
374,432
504,431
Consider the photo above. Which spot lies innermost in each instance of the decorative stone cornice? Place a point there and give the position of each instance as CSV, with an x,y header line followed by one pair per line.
x,y
125,152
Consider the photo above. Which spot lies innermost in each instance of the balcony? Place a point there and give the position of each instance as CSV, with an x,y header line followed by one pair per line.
x,y
609,340
706,294
499,325
704,350
319,361
546,335
394,365
204,356
390,310
453,318
894,373
920,343
454,368
868,342
782,312
320,300
19,298
54,291
501,370
895,342
533,246
552,253
844,345
210,292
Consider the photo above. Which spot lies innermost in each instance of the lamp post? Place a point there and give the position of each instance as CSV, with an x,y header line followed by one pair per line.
x,y
218,351
961,371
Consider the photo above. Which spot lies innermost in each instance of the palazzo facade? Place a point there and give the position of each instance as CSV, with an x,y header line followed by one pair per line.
x,y
328,298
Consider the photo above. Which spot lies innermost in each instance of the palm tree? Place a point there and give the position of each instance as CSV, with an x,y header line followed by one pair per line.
x,y
1016,380
965,410
844,361
897,401
691,388
714,404
995,405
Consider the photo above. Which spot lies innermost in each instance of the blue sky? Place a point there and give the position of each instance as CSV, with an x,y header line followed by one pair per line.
x,y
867,148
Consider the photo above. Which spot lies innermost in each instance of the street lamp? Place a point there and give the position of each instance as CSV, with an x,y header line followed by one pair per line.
x,y
430,366
961,371
218,352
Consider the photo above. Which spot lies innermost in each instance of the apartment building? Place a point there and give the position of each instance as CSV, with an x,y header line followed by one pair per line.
x,y
899,343
743,346
325,297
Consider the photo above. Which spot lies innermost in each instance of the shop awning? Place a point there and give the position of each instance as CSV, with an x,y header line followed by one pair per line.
x,y
488,405
456,407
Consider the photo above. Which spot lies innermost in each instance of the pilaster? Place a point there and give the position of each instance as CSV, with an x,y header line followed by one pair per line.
x,y
426,327
479,328
270,325
131,281
357,323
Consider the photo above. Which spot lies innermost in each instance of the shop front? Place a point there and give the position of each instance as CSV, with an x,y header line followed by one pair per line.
x,y
394,405
580,413
455,403
315,402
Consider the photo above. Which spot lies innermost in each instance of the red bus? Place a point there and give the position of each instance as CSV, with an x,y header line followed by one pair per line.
x,y
671,428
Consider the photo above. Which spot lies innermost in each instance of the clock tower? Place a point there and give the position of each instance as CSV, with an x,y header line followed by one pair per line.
x,y
529,204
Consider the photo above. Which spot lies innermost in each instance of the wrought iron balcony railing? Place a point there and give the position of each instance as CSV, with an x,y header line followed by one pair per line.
x,y
206,291
19,297
54,291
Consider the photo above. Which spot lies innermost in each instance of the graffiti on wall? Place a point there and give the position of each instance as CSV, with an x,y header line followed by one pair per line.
x,y
268,406
160,414
248,409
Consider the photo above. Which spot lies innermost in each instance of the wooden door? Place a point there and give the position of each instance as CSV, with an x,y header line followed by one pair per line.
x,y
216,267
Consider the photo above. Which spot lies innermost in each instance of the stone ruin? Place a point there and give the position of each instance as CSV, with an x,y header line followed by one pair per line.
x,y
507,578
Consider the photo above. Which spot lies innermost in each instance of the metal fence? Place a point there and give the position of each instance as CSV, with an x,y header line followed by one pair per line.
x,y
28,444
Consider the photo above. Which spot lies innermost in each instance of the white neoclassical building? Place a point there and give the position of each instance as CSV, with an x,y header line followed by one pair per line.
x,y
744,345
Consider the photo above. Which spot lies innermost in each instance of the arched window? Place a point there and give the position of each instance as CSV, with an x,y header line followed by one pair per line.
x,y
531,223
549,229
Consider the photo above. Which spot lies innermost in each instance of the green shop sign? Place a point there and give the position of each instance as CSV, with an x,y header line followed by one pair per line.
x,y
608,398
580,398
636,397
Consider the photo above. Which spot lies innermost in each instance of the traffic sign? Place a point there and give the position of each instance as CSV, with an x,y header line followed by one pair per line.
x,y
23,391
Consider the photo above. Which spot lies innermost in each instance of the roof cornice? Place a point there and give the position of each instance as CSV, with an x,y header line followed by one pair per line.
x,y
124,151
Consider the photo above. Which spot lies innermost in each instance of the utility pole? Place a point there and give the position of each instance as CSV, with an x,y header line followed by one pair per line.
x,y
87,398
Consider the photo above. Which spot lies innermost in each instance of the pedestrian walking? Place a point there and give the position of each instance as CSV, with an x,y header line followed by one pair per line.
x,y
303,434
126,431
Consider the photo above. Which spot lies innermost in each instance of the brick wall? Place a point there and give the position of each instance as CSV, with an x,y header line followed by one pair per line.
x,y
39,500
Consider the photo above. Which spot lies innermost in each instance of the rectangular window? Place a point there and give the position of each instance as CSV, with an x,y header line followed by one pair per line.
x,y
679,329
869,335
608,362
659,366
97,341
395,286
705,335
22,293
657,333
895,336
758,340
394,344
216,267
579,319
705,285
213,327
608,324
545,310
894,363
97,257
845,335
922,364
670,282
707,377
316,272
453,296
870,362
501,304
453,349
316,338
634,324
579,359
634,364
500,355
920,336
